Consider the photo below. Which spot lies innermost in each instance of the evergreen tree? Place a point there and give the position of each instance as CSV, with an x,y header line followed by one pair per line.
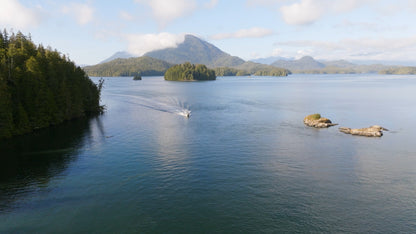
x,y
39,87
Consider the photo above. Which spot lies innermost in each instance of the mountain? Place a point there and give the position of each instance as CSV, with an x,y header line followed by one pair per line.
x,y
144,66
119,54
338,63
304,63
197,51
270,60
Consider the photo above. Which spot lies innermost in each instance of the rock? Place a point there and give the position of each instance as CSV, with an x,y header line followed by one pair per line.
x,y
137,77
372,131
317,121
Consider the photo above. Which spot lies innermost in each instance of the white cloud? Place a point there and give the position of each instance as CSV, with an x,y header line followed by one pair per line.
x,y
277,52
14,14
126,16
305,12
211,3
263,2
165,11
83,13
139,44
244,33
362,48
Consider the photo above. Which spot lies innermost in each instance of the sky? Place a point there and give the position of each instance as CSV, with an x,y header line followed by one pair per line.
x,y
89,31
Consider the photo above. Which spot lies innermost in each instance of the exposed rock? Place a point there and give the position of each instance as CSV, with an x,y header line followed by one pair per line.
x,y
317,121
372,131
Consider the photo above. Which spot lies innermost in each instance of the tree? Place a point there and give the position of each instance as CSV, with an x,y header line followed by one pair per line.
x,y
39,87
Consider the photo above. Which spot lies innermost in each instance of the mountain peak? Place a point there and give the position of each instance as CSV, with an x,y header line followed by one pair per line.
x,y
198,51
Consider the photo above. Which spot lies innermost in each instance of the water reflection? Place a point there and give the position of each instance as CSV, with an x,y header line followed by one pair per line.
x,y
28,163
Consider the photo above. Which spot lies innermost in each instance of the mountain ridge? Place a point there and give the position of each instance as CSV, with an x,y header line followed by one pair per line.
x,y
197,51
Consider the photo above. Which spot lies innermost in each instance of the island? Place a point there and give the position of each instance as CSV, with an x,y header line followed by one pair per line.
x,y
189,72
137,77
372,131
316,121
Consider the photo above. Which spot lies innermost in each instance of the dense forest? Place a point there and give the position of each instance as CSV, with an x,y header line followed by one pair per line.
x,y
262,69
40,87
189,72
144,66
228,71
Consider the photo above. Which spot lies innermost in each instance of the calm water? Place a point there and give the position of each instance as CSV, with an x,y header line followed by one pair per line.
x,y
243,161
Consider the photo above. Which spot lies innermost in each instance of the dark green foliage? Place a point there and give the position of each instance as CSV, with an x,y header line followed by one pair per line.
x,y
262,69
137,77
144,66
227,71
40,87
272,72
189,72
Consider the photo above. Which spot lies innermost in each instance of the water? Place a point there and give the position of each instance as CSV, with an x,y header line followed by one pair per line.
x,y
242,162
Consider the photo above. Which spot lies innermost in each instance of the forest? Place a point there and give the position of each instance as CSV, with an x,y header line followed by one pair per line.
x,y
189,72
39,87
144,66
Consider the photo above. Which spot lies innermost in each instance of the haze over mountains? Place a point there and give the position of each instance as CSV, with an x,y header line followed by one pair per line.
x,y
198,51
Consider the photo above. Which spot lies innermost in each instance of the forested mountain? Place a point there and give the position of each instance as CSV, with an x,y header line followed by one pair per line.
x,y
262,69
195,50
40,87
144,66
304,63
309,65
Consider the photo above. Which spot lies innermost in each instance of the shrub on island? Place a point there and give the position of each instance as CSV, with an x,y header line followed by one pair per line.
x,y
189,72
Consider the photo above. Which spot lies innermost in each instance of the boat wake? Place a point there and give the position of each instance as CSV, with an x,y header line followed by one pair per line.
x,y
166,104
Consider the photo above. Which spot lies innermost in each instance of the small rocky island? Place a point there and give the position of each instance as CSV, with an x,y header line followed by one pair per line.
x,y
189,72
372,131
137,77
316,121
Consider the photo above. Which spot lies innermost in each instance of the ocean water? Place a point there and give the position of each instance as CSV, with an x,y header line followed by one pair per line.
x,y
242,162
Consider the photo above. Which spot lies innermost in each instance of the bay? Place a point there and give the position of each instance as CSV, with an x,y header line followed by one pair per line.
x,y
242,162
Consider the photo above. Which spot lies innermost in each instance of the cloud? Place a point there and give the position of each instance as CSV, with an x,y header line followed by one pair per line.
x,y
139,44
365,48
126,16
211,4
244,33
165,11
83,13
14,14
306,12
263,2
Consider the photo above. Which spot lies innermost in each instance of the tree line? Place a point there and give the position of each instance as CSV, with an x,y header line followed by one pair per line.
x,y
40,87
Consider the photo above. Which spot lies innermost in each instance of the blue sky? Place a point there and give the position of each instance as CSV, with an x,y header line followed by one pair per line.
x,y
89,31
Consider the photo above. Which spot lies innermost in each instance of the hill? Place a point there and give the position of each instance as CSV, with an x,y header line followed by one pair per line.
x,y
144,66
308,65
399,71
304,63
197,51
270,60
